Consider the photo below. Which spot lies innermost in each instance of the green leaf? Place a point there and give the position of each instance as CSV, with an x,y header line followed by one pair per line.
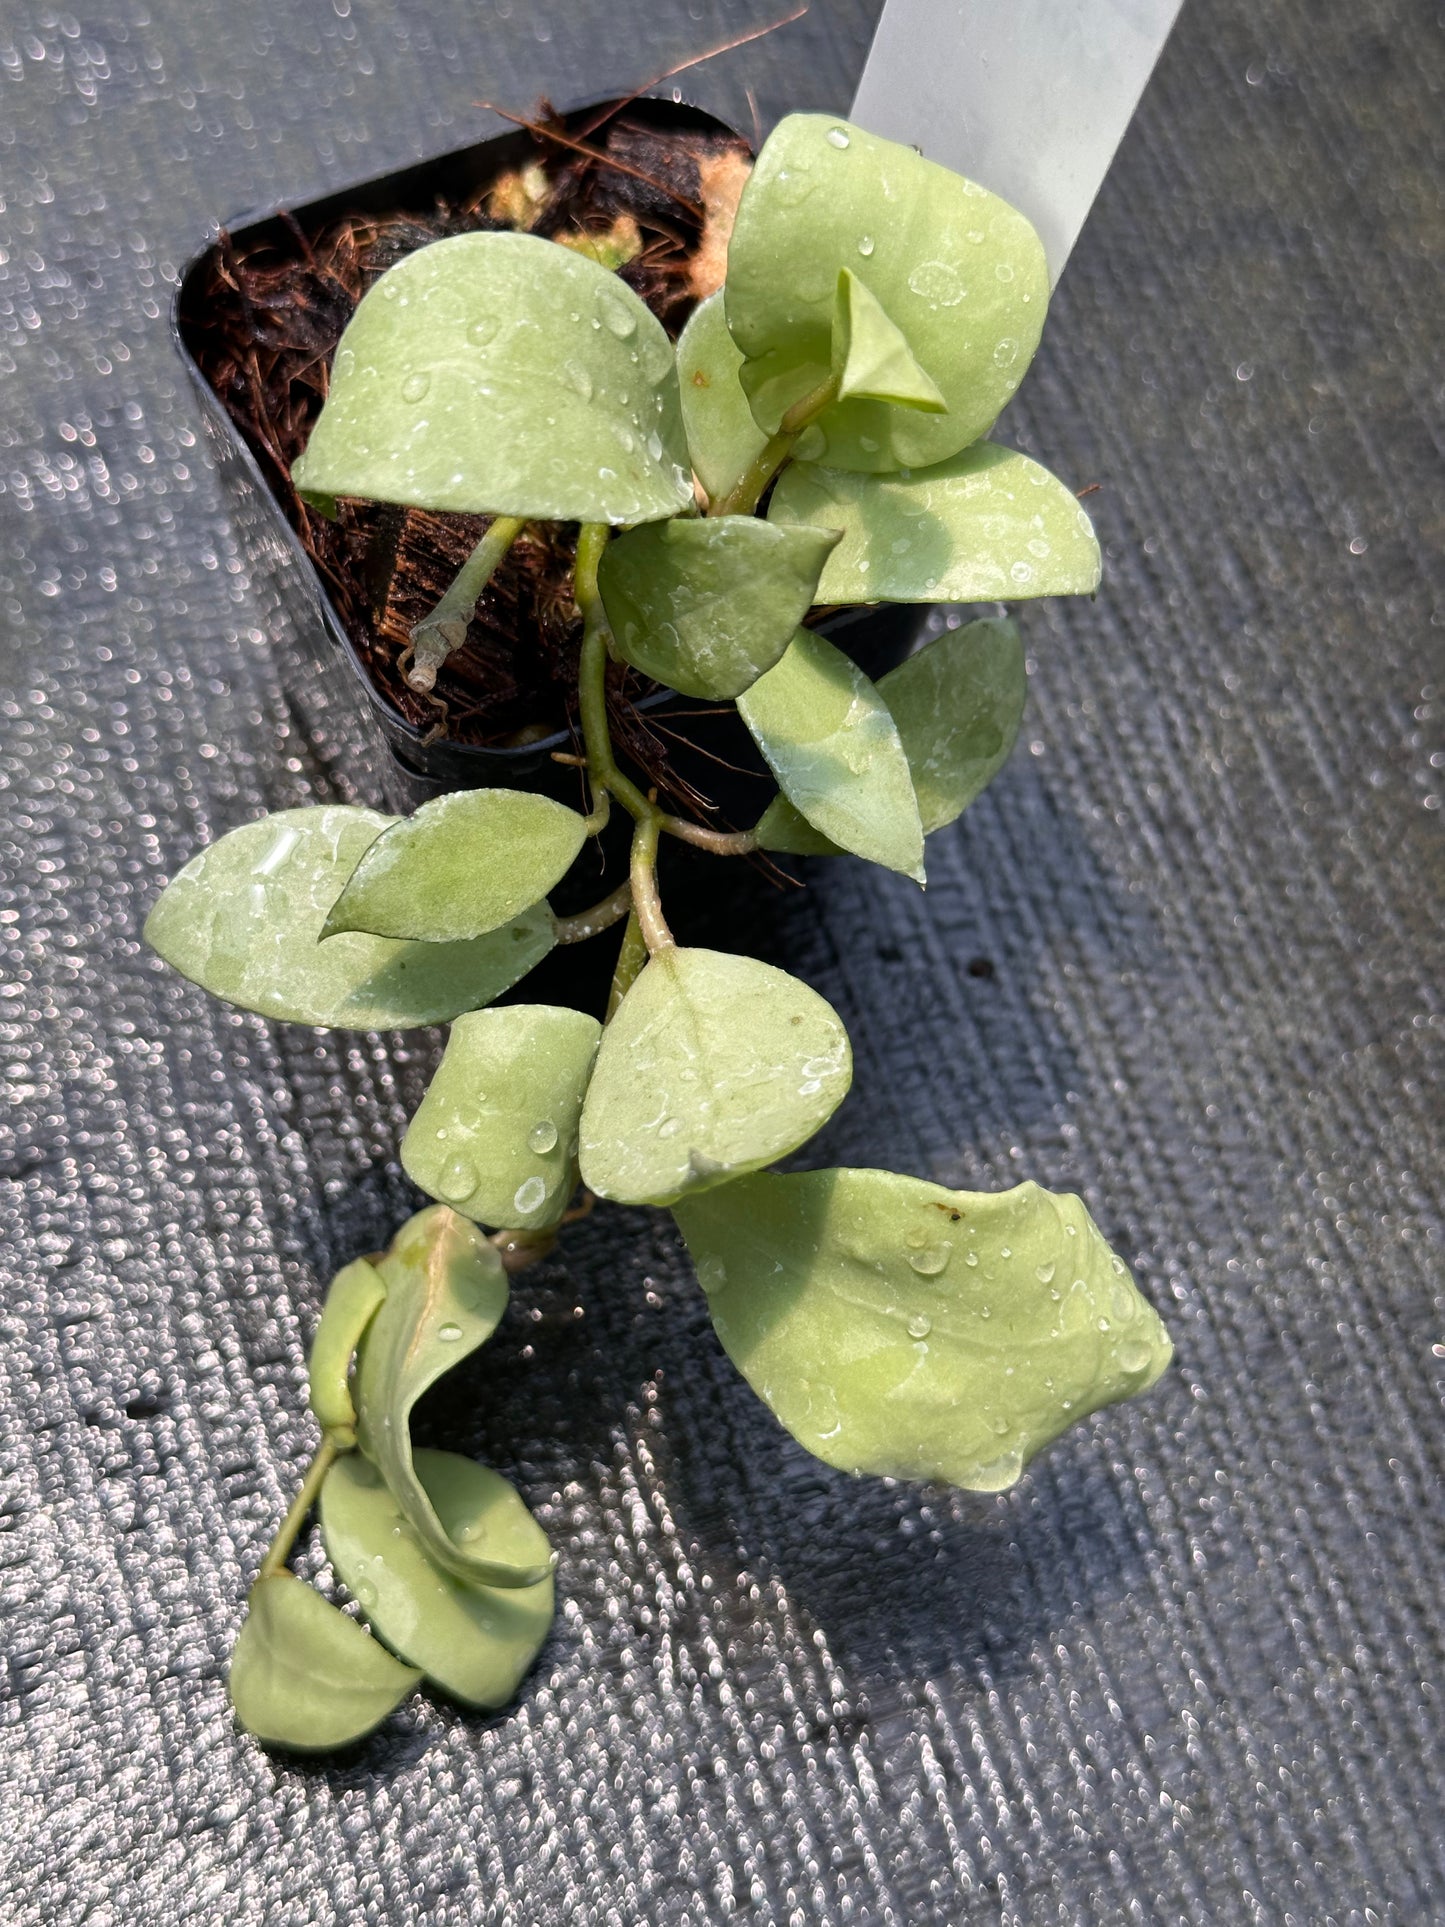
x,y
871,359
351,1304
243,918
836,752
707,606
475,1642
713,1066
496,1134
897,1328
305,1676
988,525
502,374
463,865
958,272
958,704
722,437
445,1291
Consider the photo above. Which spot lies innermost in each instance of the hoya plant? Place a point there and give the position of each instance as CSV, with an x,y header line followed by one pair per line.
x,y
818,436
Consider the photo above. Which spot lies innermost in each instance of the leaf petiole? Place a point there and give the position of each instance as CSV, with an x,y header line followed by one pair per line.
x,y
274,1564
437,634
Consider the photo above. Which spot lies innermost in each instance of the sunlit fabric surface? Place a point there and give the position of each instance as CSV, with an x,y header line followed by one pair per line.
x,y
1183,957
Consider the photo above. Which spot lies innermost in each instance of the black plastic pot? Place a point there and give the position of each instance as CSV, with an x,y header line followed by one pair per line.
x,y
336,703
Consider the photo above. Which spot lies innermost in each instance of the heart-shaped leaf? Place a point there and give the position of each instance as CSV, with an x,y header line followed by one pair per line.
x,y
463,865
958,704
897,1328
496,1134
304,1676
988,525
871,359
958,272
243,918
475,1642
445,1290
707,606
722,437
713,1065
836,752
351,1304
501,374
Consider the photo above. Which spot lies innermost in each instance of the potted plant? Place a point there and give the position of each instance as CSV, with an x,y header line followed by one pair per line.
x,y
816,437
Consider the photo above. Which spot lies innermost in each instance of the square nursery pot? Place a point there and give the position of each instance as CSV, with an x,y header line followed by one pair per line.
x,y
322,657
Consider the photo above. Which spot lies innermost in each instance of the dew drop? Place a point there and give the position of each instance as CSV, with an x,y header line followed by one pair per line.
x,y
1006,353
929,1263
345,362
530,1195
542,1136
938,283
1133,1355
920,1325
1001,1427
1005,1251
620,320
998,1474
970,1257
449,1334
837,137
415,387
458,1180
1004,271
916,1240
1103,1324
578,380
865,245
483,330
1044,1273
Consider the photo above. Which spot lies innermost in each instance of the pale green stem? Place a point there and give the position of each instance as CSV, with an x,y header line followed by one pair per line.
x,y
280,1550
591,923
747,491
646,904
720,842
445,627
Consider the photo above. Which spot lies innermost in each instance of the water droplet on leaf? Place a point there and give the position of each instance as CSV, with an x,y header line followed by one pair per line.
x,y
542,1136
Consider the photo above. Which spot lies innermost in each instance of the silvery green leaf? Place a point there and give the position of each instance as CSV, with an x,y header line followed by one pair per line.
x,y
872,359
988,525
958,272
464,864
304,1676
243,919
722,437
714,1065
351,1303
707,606
496,1134
476,1642
829,739
958,704
445,1291
501,374
898,1328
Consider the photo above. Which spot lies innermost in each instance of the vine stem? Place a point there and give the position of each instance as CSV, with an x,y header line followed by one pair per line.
x,y
280,1549
630,960
747,491
444,628
591,923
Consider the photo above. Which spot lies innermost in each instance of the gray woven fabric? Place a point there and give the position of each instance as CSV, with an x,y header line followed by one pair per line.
x,y
1190,1670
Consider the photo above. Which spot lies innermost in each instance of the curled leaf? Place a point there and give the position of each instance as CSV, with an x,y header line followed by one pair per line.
x,y
871,358
709,606
958,704
496,1134
988,525
474,1641
243,919
836,751
304,1676
898,1328
501,374
722,437
714,1065
958,273
463,865
445,1291
351,1304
